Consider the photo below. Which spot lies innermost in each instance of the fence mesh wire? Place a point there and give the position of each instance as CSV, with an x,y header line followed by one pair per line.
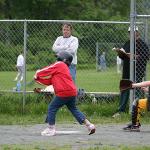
x,y
142,8
95,39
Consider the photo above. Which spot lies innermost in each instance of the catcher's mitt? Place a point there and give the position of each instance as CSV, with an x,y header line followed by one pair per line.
x,y
125,84
121,53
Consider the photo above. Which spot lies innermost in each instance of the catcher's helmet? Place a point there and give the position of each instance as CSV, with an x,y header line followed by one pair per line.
x,y
64,56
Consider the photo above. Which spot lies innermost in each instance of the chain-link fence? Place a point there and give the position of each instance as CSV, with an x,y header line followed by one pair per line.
x,y
97,63
139,46
35,39
142,14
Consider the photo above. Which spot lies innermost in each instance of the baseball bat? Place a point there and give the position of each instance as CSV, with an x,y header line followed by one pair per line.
x,y
32,82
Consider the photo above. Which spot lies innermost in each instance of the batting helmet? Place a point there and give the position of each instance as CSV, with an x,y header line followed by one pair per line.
x,y
64,56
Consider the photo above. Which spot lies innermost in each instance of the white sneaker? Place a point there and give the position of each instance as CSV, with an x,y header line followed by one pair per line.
x,y
91,129
48,132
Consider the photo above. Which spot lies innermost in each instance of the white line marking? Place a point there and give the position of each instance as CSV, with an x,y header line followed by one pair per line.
x,y
67,132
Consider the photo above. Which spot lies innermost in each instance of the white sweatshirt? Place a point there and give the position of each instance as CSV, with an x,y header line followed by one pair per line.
x,y
20,60
69,44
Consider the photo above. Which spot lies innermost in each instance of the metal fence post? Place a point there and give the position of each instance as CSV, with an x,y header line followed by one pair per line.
x,y
97,57
25,51
132,20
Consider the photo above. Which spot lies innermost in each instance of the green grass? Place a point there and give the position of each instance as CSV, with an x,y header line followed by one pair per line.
x,y
37,104
93,81
35,111
35,146
48,146
90,80
97,118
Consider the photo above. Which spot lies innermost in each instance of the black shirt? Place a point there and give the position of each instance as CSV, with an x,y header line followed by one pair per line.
x,y
142,52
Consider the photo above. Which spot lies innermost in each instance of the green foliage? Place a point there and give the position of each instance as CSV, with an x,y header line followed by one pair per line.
x,y
65,9
40,38
8,56
37,104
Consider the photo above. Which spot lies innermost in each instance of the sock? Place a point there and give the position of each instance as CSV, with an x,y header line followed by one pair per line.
x,y
51,126
87,123
134,114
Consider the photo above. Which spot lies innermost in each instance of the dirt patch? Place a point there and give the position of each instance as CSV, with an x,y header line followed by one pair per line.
x,y
75,135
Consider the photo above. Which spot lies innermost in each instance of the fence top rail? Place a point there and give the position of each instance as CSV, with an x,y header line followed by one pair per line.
x,y
12,91
103,93
72,21
97,93
143,16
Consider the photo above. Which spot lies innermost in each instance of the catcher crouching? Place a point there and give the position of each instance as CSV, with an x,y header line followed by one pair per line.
x,y
139,105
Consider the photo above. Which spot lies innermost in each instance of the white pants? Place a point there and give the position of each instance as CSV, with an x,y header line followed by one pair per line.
x,y
20,73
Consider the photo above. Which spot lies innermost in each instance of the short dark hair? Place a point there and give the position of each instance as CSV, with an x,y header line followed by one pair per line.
x,y
68,25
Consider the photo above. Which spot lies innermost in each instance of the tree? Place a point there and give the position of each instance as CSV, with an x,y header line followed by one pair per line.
x,y
65,9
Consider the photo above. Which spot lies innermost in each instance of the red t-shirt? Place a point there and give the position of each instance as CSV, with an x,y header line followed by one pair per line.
x,y
58,75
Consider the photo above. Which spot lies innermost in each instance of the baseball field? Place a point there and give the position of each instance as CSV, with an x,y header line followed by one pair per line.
x,y
22,131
